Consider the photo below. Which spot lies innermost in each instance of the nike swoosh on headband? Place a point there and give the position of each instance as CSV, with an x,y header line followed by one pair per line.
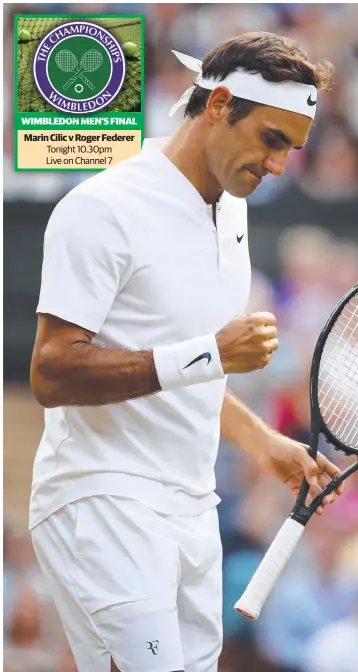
x,y
311,102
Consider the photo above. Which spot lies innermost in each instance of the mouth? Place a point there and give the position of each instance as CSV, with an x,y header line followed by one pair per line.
x,y
257,178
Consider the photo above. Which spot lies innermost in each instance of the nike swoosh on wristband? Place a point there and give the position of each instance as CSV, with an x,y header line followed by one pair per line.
x,y
311,102
205,355
239,239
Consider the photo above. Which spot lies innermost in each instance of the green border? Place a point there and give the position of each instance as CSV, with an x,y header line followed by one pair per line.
x,y
16,111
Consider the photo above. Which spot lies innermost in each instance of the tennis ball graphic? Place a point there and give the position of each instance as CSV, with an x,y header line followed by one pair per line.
x,y
130,49
24,35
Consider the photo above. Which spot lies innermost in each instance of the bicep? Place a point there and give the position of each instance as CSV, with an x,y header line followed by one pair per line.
x,y
52,329
54,337
87,261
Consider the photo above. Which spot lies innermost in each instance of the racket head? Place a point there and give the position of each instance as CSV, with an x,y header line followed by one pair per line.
x,y
91,60
66,60
334,378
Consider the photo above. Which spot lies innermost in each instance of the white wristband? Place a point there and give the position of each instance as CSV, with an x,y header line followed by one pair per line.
x,y
188,362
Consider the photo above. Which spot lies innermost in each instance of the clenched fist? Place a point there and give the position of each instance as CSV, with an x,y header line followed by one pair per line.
x,y
247,342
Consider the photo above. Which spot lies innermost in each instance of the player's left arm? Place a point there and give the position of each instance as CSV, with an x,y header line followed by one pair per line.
x,y
278,455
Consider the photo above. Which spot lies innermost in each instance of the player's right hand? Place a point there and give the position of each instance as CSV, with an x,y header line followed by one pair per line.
x,y
247,342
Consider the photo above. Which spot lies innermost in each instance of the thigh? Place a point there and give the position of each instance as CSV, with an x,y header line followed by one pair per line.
x,y
200,595
122,575
53,542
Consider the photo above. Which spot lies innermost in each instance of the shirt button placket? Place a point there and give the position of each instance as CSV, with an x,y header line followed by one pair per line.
x,y
209,213
218,241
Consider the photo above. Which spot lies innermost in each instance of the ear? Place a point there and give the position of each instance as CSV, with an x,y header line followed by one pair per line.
x,y
217,105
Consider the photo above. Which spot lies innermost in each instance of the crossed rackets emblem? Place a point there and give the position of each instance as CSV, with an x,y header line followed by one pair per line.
x,y
67,62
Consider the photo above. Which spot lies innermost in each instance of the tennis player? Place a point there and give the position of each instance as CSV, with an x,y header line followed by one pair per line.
x,y
145,279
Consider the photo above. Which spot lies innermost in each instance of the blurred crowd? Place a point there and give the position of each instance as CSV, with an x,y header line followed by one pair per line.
x,y
34,640
310,623
327,169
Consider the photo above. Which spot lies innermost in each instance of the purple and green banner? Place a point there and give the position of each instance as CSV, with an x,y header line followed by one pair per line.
x,y
79,91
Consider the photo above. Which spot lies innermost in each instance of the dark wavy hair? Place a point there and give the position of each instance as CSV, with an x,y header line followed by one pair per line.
x,y
276,58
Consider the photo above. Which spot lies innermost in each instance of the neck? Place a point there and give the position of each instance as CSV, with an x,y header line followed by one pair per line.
x,y
186,150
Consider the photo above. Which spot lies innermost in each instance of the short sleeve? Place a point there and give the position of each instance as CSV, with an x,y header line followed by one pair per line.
x,y
87,261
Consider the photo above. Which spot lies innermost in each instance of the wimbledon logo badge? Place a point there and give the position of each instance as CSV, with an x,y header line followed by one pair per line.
x,y
79,67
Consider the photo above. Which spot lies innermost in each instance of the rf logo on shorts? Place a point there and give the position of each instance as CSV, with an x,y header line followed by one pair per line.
x,y
79,67
154,647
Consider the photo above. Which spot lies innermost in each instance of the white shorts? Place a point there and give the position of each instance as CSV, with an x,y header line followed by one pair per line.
x,y
141,587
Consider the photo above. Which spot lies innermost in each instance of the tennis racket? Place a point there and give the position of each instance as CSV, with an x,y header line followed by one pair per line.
x,y
334,414
90,61
67,62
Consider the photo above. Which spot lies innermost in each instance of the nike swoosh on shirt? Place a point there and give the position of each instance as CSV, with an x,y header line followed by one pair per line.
x,y
239,239
205,355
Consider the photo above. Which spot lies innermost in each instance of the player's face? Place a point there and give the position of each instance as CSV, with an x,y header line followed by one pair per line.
x,y
240,155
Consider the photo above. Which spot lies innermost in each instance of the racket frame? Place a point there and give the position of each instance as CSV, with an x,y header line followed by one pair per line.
x,y
301,512
60,66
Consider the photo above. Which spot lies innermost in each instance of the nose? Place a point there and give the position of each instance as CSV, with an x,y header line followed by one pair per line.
x,y
275,165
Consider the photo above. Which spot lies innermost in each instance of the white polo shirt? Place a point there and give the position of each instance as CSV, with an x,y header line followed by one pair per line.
x,y
133,255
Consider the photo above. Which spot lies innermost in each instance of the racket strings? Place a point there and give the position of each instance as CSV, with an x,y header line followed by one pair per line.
x,y
66,60
91,60
338,377
339,411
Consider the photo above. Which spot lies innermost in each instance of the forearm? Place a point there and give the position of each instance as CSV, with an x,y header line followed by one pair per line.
x,y
240,426
88,375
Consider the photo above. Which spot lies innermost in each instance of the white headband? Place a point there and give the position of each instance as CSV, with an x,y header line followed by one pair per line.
x,y
291,96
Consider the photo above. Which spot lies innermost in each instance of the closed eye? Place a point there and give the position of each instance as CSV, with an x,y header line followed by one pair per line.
x,y
278,140
273,143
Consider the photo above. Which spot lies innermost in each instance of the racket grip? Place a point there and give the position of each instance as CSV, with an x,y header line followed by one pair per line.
x,y
70,81
269,570
87,82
